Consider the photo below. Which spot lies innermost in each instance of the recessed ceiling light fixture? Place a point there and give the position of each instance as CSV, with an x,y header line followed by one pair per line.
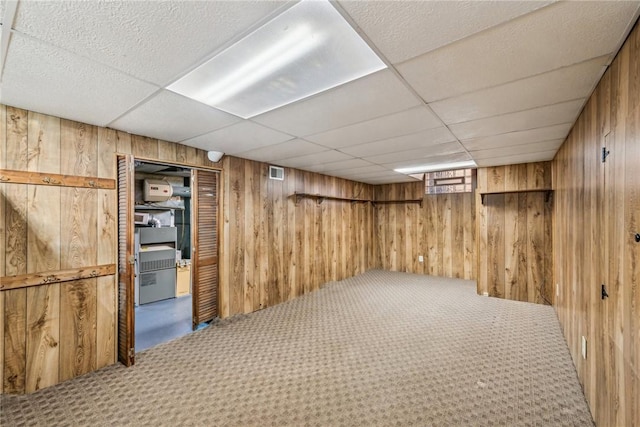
x,y
305,50
437,167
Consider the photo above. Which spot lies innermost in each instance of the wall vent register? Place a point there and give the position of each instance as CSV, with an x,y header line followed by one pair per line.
x,y
276,172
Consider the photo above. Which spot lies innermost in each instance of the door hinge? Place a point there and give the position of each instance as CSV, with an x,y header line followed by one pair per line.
x,y
605,153
132,259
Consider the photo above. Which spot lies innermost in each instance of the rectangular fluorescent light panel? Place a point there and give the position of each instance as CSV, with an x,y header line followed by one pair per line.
x,y
305,50
437,167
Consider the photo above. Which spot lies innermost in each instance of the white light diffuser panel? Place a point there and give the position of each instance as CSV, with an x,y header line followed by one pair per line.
x,y
307,49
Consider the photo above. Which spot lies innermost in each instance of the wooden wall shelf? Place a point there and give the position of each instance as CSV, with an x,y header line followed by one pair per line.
x,y
319,198
547,192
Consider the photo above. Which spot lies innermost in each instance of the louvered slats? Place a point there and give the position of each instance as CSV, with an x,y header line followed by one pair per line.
x,y
206,244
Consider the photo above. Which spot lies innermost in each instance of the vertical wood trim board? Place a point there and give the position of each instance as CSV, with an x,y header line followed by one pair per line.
x,y
596,214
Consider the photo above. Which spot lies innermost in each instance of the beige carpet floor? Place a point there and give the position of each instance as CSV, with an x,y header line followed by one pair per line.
x,y
379,349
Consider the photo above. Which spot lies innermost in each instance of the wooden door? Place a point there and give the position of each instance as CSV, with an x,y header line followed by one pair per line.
x,y
205,246
126,289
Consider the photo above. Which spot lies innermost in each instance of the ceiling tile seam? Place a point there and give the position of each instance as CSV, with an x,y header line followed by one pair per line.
x,y
369,120
525,154
609,57
477,33
232,41
583,99
541,141
289,140
393,69
10,11
464,140
520,155
93,61
395,137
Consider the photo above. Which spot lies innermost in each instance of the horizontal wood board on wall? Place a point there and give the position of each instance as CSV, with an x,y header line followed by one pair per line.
x,y
53,332
596,217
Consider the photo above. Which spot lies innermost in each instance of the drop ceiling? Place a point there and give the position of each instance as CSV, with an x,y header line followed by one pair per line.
x,y
491,81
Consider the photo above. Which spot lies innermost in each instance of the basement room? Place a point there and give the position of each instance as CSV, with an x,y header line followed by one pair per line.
x,y
319,213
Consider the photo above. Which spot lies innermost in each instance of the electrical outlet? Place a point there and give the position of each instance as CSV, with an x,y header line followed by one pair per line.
x,y
584,347
557,289
420,258
485,294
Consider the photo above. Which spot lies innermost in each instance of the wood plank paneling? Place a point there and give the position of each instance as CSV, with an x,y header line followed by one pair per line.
x,y
3,149
514,237
58,330
16,237
106,316
441,229
43,336
43,254
272,249
595,218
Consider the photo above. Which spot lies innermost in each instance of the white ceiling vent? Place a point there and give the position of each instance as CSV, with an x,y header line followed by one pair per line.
x,y
276,172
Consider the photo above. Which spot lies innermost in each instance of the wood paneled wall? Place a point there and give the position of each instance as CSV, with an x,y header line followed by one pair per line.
x,y
514,233
54,332
596,217
273,250
442,230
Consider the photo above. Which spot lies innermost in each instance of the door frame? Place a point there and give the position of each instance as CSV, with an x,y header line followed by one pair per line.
x,y
126,311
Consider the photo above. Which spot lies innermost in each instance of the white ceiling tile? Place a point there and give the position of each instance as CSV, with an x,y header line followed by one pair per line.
x,y
513,150
303,162
518,138
285,150
518,158
564,112
154,41
383,173
520,48
48,80
416,154
238,138
421,140
549,88
340,166
372,96
426,160
402,123
366,170
172,117
402,30
389,180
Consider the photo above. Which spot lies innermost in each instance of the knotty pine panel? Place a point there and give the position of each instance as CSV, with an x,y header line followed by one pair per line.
x,y
273,250
596,216
441,230
514,233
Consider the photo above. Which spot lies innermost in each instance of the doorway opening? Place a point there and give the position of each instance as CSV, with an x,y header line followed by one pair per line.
x,y
162,251
167,252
